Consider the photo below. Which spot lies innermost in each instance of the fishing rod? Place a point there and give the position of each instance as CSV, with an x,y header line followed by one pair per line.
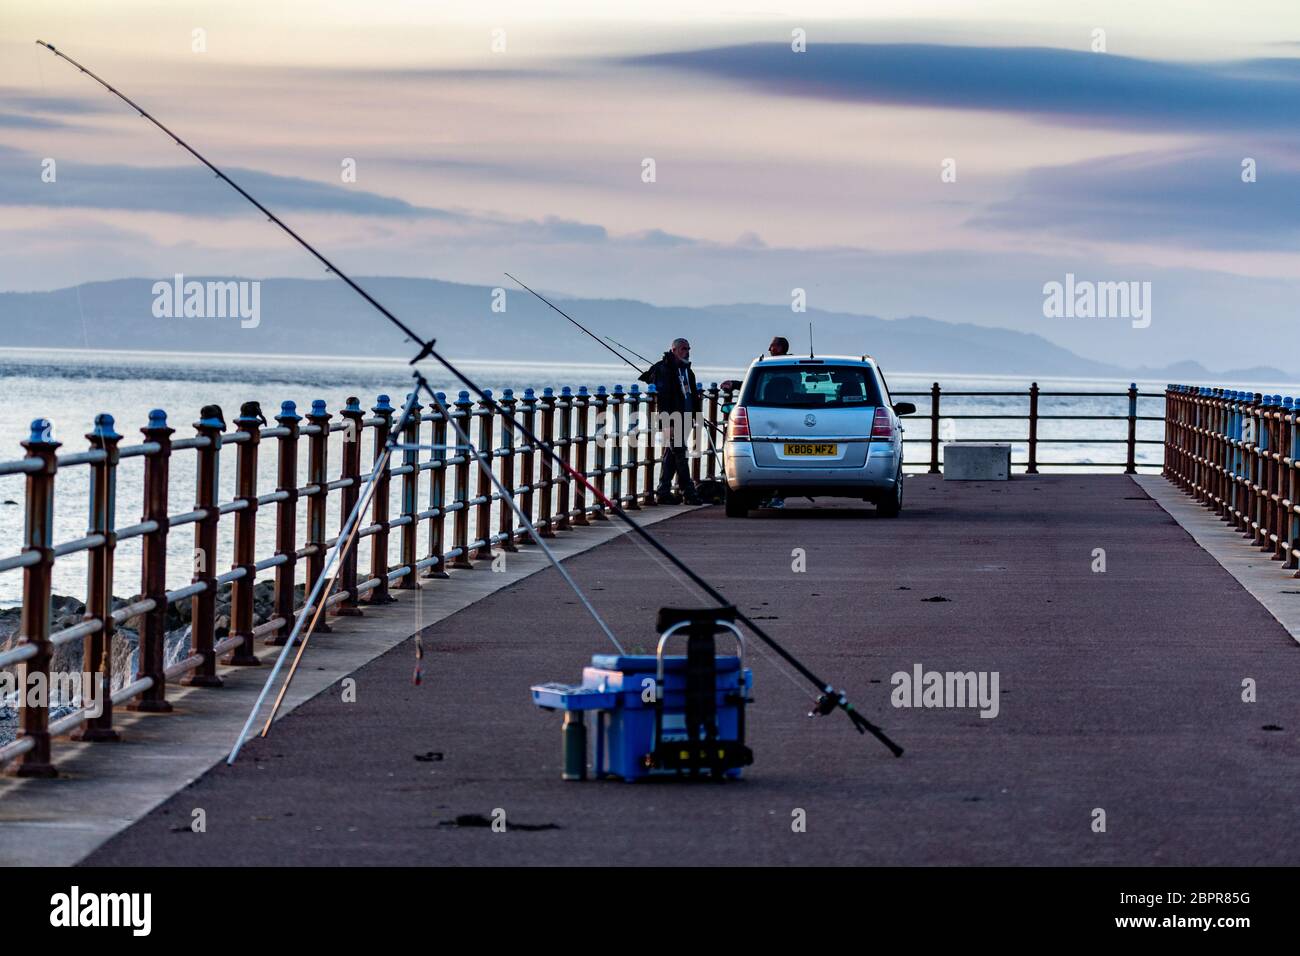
x,y
716,426
830,698
607,348
626,349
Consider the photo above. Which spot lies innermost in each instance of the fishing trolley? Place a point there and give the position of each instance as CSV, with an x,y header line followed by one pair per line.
x,y
660,714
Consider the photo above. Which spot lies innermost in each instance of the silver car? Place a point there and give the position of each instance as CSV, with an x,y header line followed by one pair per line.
x,y
814,427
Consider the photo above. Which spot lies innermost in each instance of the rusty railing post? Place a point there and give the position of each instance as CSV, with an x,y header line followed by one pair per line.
x,y
506,475
97,649
526,470
410,498
707,429
35,622
565,447
286,522
547,483
651,461
581,440
203,606
1032,468
483,487
354,424
615,421
379,507
601,404
151,655
249,422
1130,467
1293,488
318,446
632,421
438,492
692,438
460,494
934,429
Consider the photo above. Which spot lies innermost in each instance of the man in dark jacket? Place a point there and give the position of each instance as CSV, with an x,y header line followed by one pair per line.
x,y
678,400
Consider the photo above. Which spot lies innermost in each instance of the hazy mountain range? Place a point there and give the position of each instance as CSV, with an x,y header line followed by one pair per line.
x,y
322,316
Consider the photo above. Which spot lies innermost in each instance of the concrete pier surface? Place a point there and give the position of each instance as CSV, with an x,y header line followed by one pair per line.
x,y
1119,691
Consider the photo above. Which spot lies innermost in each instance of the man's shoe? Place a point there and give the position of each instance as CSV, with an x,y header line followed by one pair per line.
x,y
696,500
667,498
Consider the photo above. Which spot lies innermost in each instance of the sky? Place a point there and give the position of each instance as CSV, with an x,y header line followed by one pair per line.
x,y
917,157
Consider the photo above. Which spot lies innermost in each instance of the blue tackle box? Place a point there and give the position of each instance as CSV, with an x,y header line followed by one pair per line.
x,y
656,714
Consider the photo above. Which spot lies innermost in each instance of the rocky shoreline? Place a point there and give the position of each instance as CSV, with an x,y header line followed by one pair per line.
x,y
66,611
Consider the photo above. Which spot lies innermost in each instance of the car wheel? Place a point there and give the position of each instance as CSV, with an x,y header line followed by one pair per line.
x,y
738,504
891,506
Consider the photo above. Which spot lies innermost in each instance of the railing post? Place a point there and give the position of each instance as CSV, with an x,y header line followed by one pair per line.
x,y
483,487
35,621
506,475
545,510
318,446
1293,488
150,658
565,450
1130,467
526,471
934,429
1168,466
1032,468
353,418
460,494
410,497
601,404
581,439
286,522
203,606
249,422
98,648
651,460
632,417
379,509
692,436
438,492
710,432
615,420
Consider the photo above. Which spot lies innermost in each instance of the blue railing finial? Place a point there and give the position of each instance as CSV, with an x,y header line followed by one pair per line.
x,y
157,418
42,432
104,428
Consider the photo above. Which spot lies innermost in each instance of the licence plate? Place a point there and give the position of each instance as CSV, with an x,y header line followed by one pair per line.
x,y
811,450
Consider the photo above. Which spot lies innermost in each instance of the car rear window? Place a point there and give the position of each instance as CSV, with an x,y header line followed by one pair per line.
x,y
811,386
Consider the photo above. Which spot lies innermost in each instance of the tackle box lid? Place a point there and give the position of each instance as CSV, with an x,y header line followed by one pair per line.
x,y
573,697
649,663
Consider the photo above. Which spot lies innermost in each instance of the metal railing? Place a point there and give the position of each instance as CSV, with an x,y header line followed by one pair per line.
x,y
1033,417
604,435
1235,452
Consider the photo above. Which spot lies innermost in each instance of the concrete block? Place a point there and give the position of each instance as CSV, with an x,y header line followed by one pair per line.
x,y
976,461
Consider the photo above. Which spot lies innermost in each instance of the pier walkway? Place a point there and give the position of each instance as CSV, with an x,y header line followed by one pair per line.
x,y
1119,690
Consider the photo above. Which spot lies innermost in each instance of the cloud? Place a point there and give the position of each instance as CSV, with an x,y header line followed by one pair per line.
x,y
1063,85
186,190
18,121
1188,197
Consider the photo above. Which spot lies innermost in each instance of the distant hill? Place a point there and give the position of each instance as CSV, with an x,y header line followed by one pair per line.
x,y
321,316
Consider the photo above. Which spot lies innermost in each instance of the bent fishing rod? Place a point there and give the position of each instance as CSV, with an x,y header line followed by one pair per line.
x,y
830,698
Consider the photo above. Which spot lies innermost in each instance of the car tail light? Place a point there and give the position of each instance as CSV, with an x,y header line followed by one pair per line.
x,y
738,426
881,426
